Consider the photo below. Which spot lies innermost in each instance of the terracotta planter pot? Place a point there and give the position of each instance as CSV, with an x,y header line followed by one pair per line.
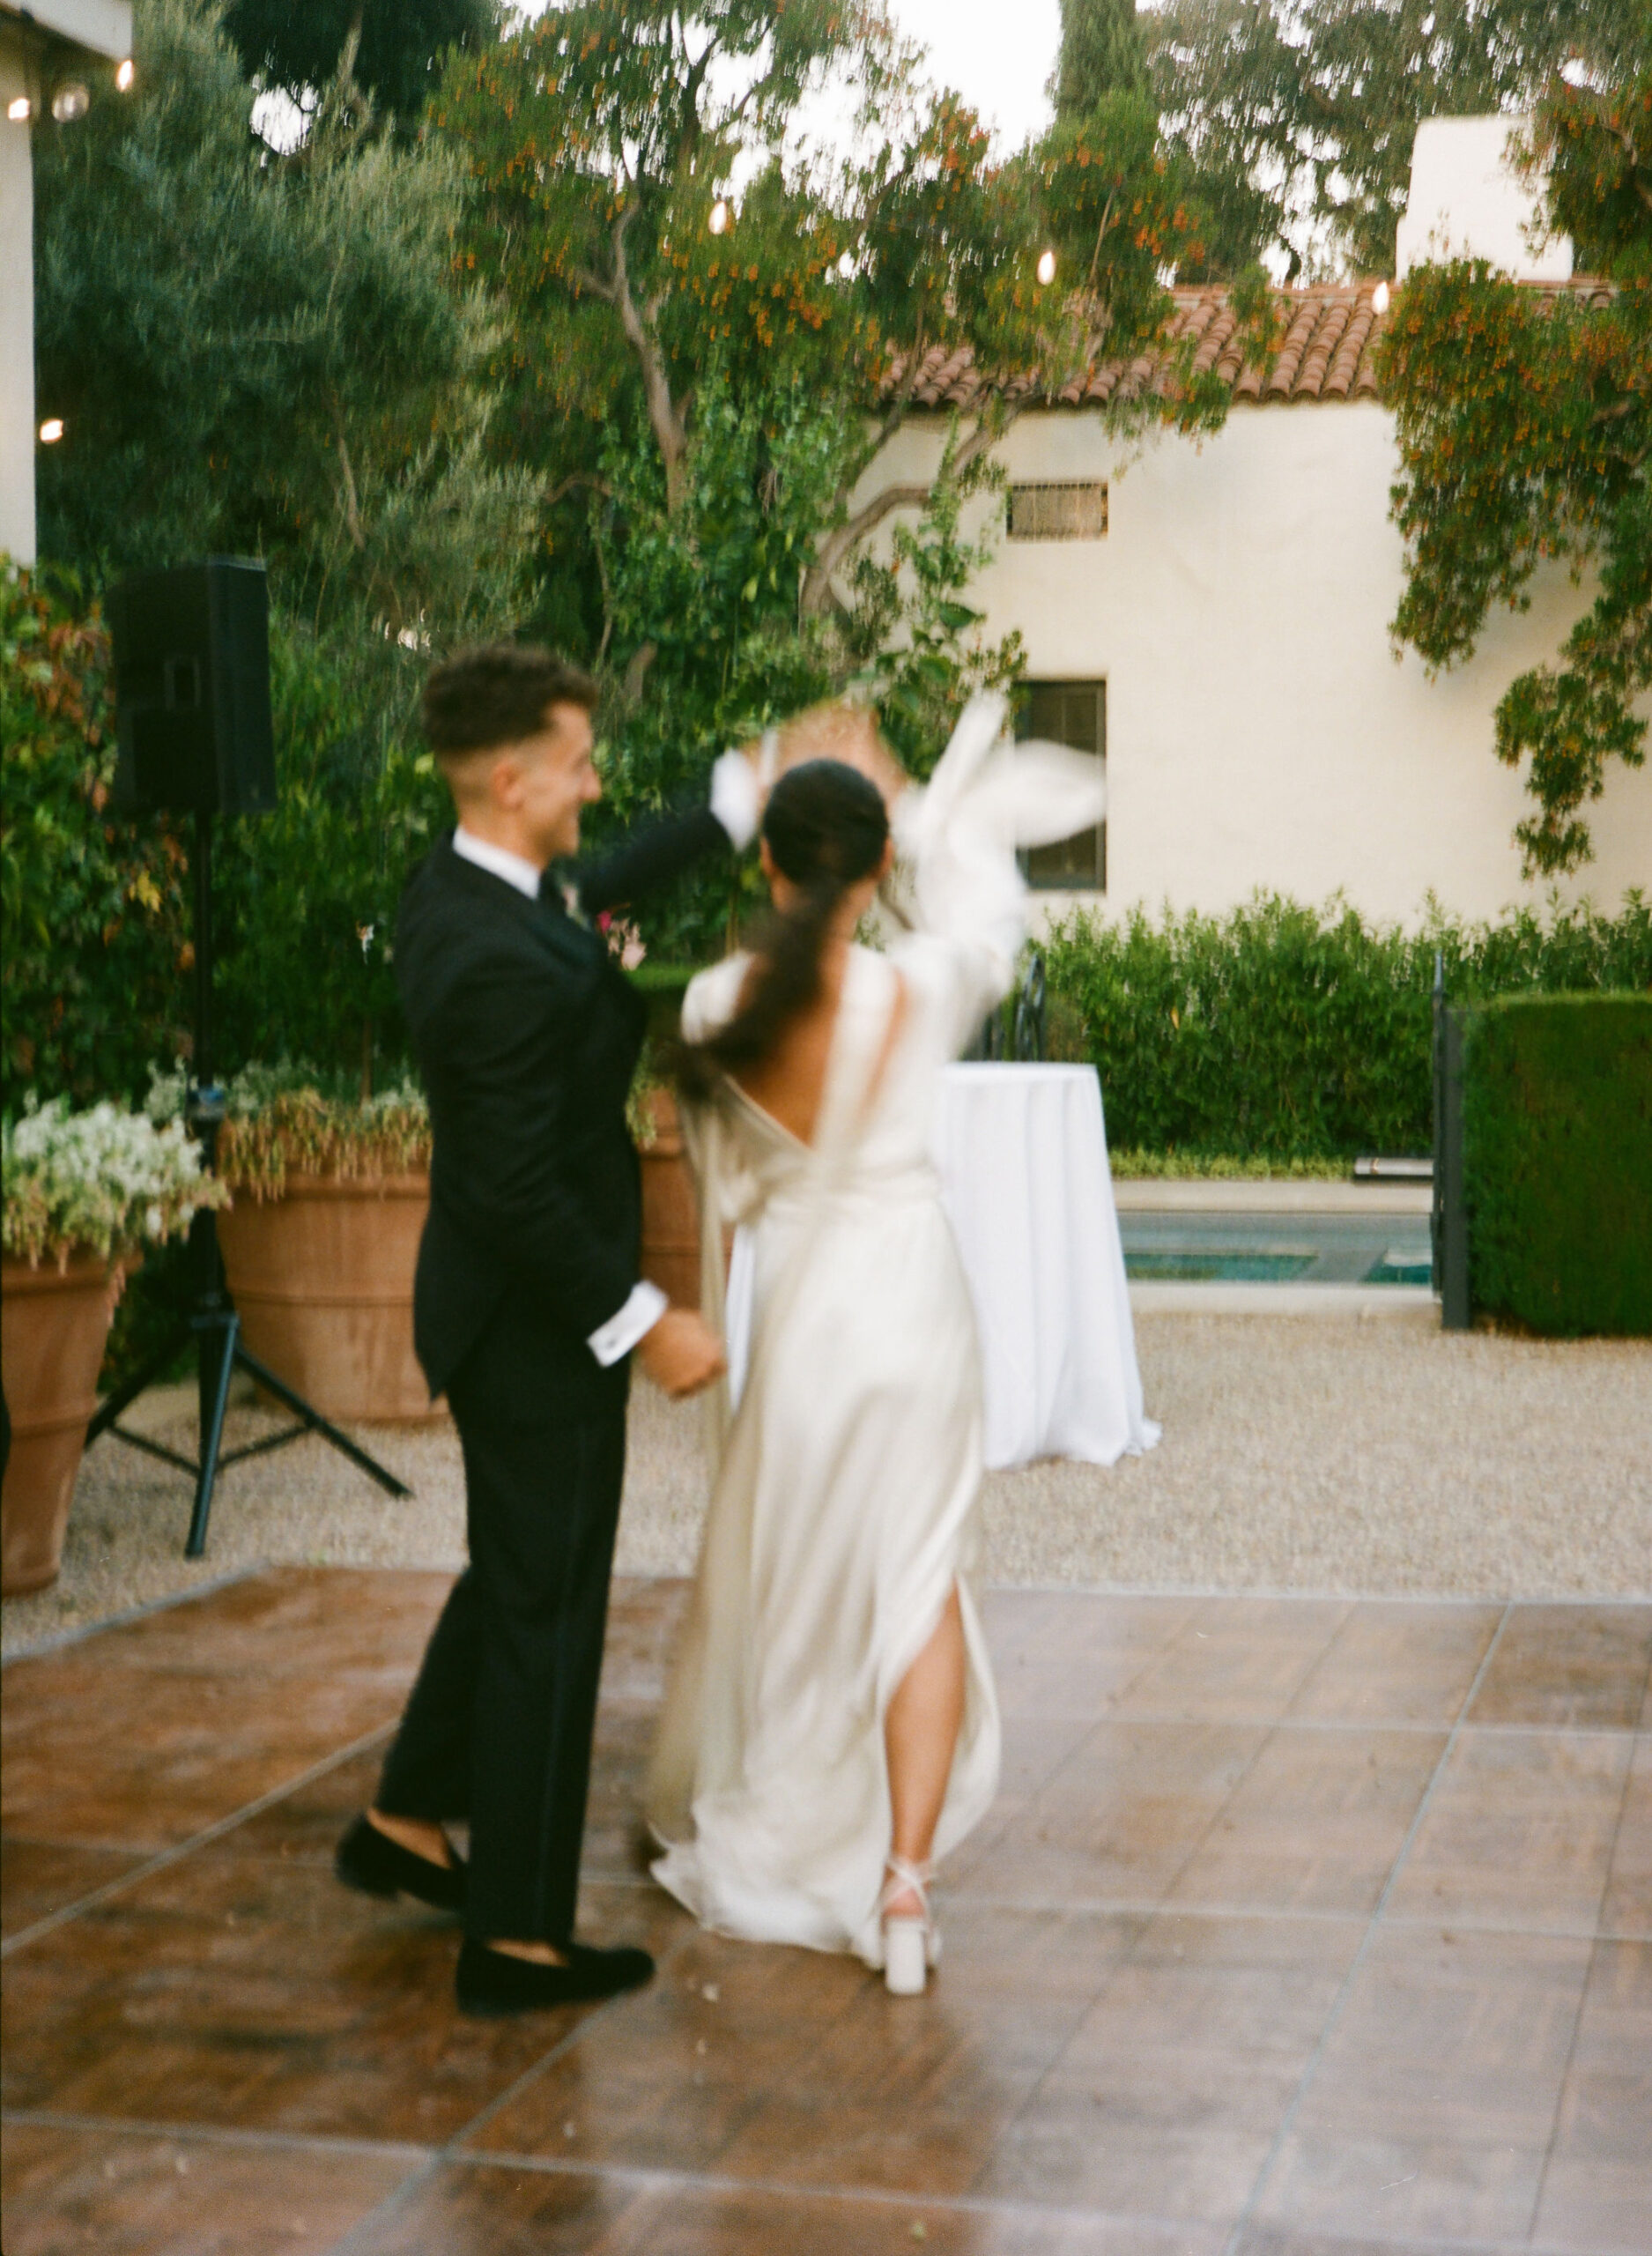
x,y
52,1335
323,1279
670,1213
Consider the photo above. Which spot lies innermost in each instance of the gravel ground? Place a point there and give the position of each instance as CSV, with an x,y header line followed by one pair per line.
x,y
1298,1453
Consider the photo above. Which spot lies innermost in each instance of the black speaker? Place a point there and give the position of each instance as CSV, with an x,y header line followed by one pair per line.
x,y
192,689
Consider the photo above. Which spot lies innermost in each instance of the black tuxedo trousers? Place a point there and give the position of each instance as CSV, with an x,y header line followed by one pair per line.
x,y
499,1727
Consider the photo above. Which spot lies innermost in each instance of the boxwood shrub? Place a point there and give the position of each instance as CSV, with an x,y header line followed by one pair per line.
x,y
1285,1032
1556,1121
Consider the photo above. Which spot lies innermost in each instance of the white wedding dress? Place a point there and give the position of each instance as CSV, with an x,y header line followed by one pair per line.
x,y
843,1510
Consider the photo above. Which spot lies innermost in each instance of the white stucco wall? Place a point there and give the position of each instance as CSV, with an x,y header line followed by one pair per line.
x,y
16,313
99,27
1468,201
39,45
1260,731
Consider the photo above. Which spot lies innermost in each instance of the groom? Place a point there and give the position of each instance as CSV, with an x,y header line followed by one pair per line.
x,y
527,1308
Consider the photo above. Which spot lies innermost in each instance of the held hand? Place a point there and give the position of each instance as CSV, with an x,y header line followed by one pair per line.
x,y
681,1353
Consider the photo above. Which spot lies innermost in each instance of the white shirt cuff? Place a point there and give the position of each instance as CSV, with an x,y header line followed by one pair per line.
x,y
620,1334
734,798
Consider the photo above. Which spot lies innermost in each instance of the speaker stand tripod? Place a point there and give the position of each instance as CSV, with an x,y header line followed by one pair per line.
x,y
210,1324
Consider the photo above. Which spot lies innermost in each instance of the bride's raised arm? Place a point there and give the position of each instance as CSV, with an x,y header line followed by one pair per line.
x,y
957,839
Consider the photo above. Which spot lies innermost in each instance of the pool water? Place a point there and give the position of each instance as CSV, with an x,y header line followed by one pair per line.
x,y
1277,1249
1218,1268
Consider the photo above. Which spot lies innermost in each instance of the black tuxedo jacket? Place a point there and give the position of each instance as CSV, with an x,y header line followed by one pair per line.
x,y
527,1036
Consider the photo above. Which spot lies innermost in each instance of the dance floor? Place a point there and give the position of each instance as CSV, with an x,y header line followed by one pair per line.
x,y
1301,1927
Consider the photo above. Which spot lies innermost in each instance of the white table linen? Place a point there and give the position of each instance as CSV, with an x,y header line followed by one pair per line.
x,y
1021,1151
1022,1155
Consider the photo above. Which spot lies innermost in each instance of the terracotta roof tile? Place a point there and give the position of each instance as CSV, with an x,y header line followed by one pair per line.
x,y
1330,335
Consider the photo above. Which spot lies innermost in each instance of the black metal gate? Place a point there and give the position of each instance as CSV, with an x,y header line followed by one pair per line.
x,y
1450,1219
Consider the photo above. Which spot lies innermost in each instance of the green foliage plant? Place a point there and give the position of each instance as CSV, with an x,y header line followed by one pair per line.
x,y
1124,210
1102,52
1127,1165
1298,115
97,971
598,140
307,895
267,353
94,925
706,603
398,45
1284,1033
287,1119
1525,430
1557,1108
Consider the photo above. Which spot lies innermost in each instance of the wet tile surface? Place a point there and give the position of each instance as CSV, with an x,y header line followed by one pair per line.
x,y
122,2193
1579,1667
1315,1823
1392,1662
148,1733
39,1878
1299,1928
1597,2188
1520,1832
1438,2089
1627,1909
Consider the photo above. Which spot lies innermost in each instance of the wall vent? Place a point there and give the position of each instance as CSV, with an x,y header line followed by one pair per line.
x,y
1070,509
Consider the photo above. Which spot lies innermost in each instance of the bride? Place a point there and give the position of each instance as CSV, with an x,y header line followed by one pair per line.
x,y
831,1726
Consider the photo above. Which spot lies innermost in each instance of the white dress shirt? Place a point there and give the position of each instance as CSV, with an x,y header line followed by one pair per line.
x,y
734,802
512,867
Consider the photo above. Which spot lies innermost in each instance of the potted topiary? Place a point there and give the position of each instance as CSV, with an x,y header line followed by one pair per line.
x,y
83,1193
320,1246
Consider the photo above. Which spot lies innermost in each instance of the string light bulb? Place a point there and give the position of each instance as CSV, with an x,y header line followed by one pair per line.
x,y
51,430
70,102
123,74
1046,268
719,217
17,109
1380,299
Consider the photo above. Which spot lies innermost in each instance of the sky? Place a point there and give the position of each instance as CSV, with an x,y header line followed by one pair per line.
x,y
997,54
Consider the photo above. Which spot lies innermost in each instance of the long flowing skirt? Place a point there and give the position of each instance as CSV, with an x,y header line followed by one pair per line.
x,y
843,1516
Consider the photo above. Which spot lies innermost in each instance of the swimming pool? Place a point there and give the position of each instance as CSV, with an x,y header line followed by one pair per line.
x,y
1277,1249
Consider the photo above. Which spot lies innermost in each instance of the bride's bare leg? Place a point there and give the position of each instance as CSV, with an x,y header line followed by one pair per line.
x,y
920,1729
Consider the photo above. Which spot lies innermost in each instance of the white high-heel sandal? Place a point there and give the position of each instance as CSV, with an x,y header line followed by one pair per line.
x,y
912,1942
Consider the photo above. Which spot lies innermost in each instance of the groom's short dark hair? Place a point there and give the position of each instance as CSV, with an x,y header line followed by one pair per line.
x,y
499,693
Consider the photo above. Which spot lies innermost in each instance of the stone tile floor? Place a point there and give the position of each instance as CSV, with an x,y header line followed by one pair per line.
x,y
1301,1927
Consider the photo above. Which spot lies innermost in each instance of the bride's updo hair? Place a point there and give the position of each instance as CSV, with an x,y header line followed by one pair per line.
x,y
826,827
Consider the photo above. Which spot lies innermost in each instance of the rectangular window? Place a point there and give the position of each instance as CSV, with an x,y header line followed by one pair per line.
x,y
1067,509
1073,713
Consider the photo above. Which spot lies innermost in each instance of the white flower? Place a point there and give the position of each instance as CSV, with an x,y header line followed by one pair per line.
x,y
95,1181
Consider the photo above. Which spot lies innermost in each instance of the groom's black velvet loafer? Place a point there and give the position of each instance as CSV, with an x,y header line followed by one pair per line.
x,y
493,1982
369,1860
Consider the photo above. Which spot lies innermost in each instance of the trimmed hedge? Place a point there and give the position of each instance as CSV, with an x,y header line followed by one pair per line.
x,y
1283,1032
1557,1123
